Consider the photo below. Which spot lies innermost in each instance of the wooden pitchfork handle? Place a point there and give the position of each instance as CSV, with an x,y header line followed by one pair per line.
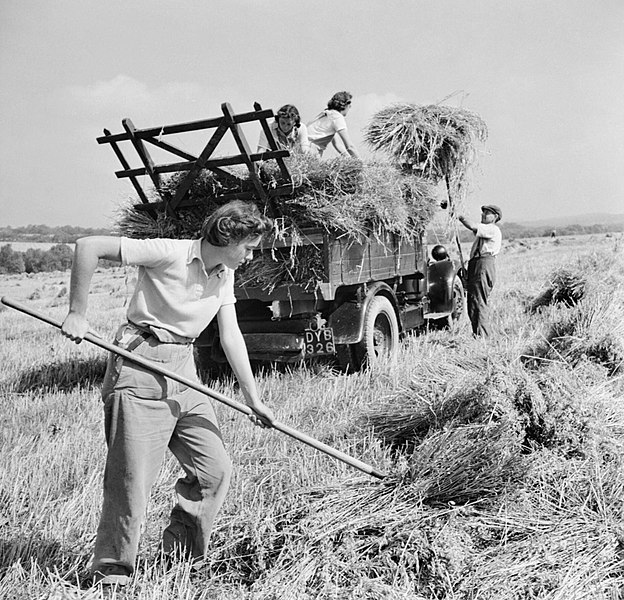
x,y
298,435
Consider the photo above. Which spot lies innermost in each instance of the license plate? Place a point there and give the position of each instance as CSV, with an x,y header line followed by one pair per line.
x,y
319,341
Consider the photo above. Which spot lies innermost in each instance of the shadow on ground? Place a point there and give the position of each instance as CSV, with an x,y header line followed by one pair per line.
x,y
62,376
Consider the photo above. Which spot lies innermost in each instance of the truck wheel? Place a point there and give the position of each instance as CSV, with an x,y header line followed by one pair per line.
x,y
459,299
381,332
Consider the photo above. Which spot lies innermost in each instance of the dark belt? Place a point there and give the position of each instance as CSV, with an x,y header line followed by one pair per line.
x,y
143,335
487,255
146,332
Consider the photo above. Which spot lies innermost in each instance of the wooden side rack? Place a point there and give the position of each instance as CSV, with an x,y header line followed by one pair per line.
x,y
193,165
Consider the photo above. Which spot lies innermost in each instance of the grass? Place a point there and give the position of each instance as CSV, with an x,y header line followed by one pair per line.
x,y
504,458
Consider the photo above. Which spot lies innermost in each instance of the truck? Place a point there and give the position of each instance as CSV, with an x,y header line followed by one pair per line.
x,y
372,291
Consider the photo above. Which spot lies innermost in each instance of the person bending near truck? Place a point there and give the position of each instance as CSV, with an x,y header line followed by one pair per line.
x,y
288,131
182,285
482,266
331,125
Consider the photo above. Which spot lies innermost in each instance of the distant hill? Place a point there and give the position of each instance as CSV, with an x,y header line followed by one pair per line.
x,y
65,234
584,220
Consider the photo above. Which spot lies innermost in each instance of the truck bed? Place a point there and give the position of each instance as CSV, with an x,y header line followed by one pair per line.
x,y
345,263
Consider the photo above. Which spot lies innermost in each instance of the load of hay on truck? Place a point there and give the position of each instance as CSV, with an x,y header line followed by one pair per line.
x,y
346,272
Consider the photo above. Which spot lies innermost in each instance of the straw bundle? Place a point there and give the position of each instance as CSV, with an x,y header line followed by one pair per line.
x,y
592,331
301,264
435,141
564,287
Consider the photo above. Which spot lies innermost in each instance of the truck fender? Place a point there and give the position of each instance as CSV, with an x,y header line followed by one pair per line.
x,y
347,321
441,275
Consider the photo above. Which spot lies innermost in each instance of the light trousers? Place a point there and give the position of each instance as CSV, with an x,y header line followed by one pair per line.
x,y
144,414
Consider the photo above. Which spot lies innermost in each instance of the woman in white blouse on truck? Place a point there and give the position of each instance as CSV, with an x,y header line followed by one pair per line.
x,y
331,126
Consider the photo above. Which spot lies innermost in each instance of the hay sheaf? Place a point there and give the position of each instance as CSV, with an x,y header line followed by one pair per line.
x,y
587,320
564,287
436,141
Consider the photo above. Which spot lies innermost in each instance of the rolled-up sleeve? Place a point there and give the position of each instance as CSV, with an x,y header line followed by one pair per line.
x,y
145,253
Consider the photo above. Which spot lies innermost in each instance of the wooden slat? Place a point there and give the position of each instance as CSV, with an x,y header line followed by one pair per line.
x,y
164,130
182,127
245,151
185,166
252,116
170,148
146,159
126,165
198,165
226,175
272,143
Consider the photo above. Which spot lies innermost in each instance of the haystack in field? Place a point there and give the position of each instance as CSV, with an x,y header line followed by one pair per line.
x,y
438,142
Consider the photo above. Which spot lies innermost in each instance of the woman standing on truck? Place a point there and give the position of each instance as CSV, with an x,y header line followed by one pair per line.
x,y
182,285
288,131
330,124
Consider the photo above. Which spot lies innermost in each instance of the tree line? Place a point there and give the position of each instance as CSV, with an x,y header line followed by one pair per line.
x,y
35,260
65,234
513,231
59,257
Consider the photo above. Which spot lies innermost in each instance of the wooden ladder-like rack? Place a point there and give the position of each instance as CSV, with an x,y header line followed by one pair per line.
x,y
193,165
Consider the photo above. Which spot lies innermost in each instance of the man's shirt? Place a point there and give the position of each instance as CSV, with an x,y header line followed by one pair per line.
x,y
488,240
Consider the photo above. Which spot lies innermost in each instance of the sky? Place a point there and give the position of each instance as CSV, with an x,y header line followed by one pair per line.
x,y
547,76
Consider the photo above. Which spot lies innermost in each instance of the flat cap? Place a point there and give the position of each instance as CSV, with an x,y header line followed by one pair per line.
x,y
493,209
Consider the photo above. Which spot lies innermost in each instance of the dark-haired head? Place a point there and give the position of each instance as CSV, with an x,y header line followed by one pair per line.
x,y
339,101
289,111
234,222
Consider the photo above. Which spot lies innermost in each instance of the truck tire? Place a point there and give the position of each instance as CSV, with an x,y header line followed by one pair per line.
x,y
459,299
381,333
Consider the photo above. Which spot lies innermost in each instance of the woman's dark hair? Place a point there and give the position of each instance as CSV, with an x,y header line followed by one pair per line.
x,y
289,110
234,222
339,101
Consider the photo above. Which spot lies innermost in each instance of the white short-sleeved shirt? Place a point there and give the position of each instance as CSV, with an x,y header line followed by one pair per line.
x,y
488,241
174,296
297,139
321,131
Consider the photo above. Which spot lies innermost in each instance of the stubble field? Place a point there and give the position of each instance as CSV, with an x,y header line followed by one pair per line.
x,y
505,458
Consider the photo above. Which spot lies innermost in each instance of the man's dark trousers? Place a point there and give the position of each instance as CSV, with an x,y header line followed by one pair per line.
x,y
481,280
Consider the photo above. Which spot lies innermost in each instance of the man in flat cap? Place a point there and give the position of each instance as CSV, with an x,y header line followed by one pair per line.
x,y
482,266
